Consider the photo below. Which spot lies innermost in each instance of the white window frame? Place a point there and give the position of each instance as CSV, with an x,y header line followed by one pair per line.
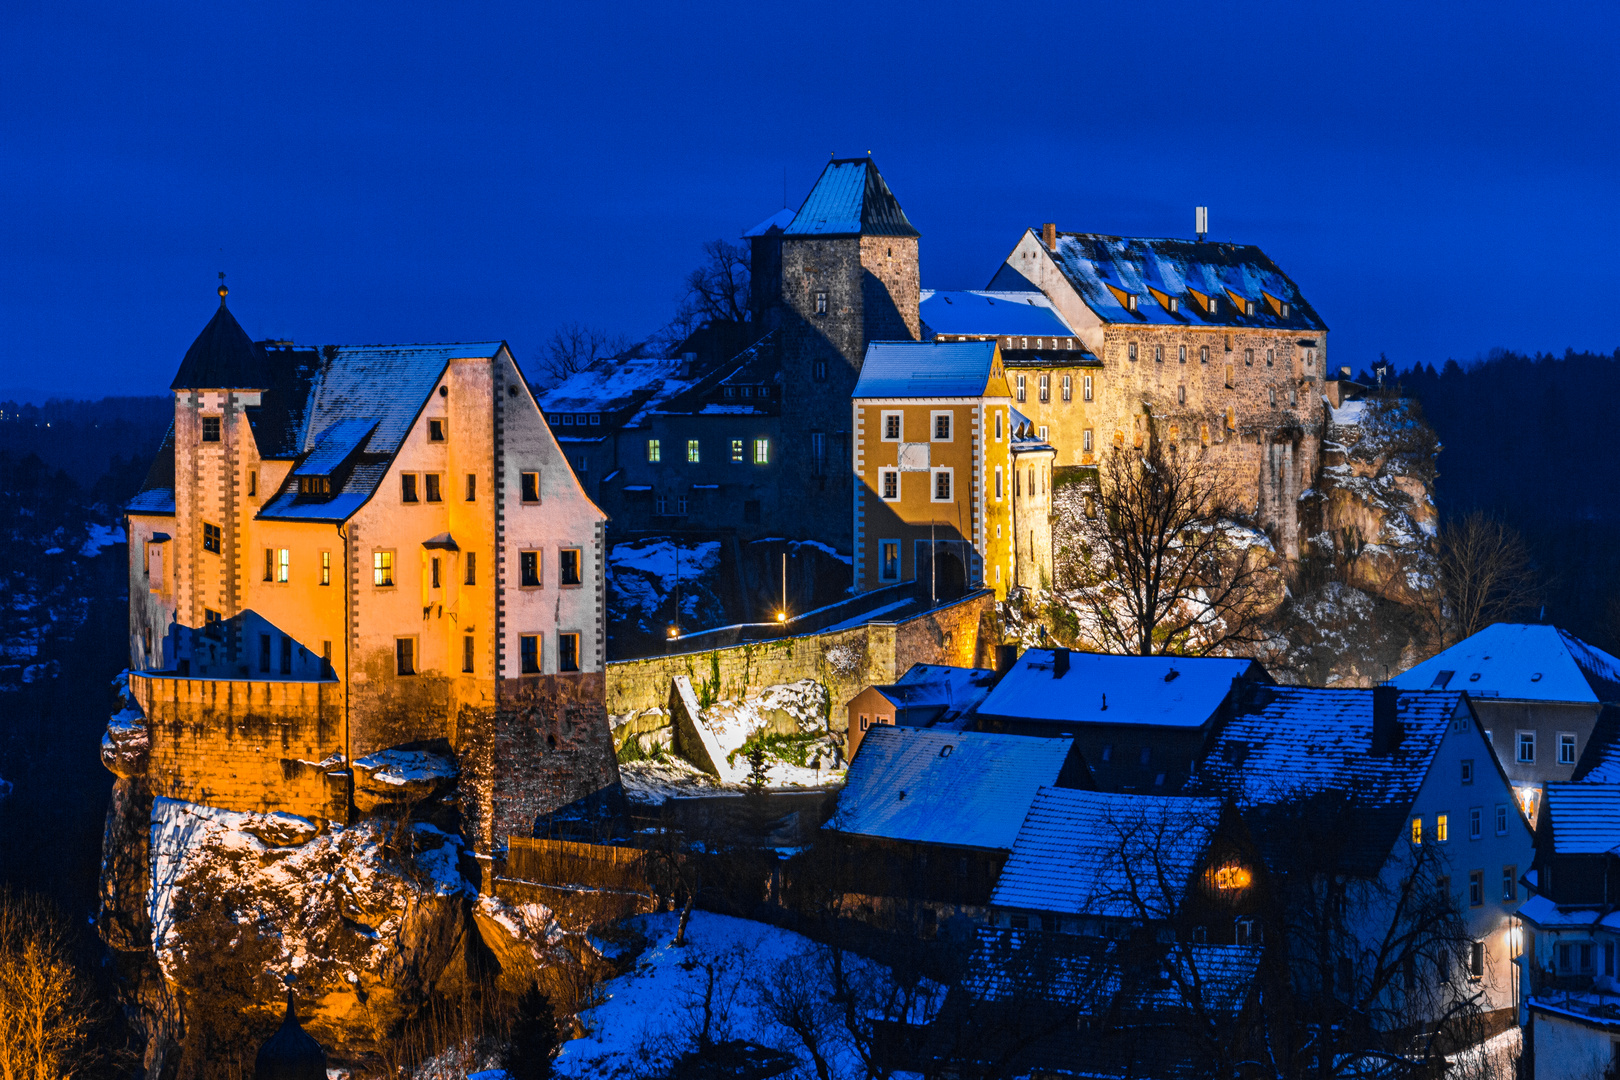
x,y
283,565
884,545
1020,387
1087,440
762,450
1068,388
883,430
950,425
1501,819
883,476
1566,740
1520,740
1043,385
933,483
1085,388
1476,822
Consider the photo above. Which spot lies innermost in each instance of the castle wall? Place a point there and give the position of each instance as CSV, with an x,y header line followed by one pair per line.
x,y
245,745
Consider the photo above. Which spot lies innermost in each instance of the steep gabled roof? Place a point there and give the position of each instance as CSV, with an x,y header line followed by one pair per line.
x,y
1107,855
991,314
1097,265
850,199
898,369
1584,819
1521,662
1289,744
961,788
1102,688
222,358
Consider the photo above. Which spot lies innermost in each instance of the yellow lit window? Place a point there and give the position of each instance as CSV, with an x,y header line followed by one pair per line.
x,y
692,454
326,568
762,451
1440,829
655,451
382,568
1417,830
283,565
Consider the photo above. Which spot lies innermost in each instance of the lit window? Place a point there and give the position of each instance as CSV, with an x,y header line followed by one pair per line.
x,y
211,538
736,449
762,451
888,560
405,656
435,431
942,485
529,653
283,565
567,652
655,452
210,429
693,455
326,568
382,568
568,566
1566,748
407,487
529,569
889,484
529,487
1417,830
1440,829
432,487
1527,747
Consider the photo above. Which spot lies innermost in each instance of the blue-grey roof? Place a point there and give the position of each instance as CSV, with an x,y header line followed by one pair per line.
x,y
1523,662
1100,688
382,386
334,445
1026,435
1107,855
1585,818
778,221
985,314
850,199
152,501
898,369
963,788
1174,267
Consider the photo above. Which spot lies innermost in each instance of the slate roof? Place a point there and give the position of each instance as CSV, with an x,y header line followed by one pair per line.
x,y
334,446
616,386
1100,688
850,199
899,369
964,789
281,418
1050,358
222,358
991,314
1093,262
1107,855
778,221
1600,761
157,490
1287,743
1521,662
1585,818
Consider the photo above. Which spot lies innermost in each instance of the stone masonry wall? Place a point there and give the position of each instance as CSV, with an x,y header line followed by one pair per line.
x,y
248,745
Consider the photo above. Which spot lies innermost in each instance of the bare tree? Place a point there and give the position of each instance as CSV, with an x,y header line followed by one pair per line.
x,y
46,1010
1167,568
573,347
1485,573
717,289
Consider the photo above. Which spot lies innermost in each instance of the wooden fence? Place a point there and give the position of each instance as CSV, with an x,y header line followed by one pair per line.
x,y
591,866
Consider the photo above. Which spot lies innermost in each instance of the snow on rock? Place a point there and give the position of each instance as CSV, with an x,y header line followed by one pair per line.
x,y
400,777
100,536
367,919
653,1014
642,578
524,937
792,720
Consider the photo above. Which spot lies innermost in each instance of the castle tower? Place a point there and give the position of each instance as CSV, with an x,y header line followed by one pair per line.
x,y
849,276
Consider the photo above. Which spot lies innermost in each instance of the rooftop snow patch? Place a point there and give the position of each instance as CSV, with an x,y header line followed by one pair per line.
x,y
1585,818
899,369
1100,688
997,314
1520,662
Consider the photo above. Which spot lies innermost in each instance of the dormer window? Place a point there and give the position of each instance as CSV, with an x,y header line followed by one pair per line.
x,y
1130,301
314,487
1214,305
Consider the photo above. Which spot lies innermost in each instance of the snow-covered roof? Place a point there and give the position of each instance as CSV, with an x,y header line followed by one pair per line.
x,y
334,445
1544,913
1107,855
850,199
1100,688
991,314
1293,742
957,691
1177,269
932,369
158,501
962,788
1585,818
614,384
1523,662
778,221
1026,437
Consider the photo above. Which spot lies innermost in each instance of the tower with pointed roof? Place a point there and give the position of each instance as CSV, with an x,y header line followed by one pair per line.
x,y
848,276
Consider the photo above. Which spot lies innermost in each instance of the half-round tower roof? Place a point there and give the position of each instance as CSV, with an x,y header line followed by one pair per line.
x,y
291,1053
222,358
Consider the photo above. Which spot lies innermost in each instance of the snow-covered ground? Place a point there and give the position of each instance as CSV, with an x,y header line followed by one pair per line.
x,y
654,1013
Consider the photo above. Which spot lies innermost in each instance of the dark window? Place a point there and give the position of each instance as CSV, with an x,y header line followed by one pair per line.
x,y
818,371
1476,888
568,566
472,569
567,652
467,653
264,653
472,487
435,431
407,487
1476,961
210,431
433,569
531,487
751,512
1510,883
1468,770
286,655
529,569
211,538
405,656
529,653
431,483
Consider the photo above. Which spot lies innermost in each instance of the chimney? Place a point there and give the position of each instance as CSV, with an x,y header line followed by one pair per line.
x,y
1386,730
1060,663
1049,236
1201,222
1006,657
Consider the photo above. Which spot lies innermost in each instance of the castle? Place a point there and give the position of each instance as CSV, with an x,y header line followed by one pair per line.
x,y
1104,341
347,549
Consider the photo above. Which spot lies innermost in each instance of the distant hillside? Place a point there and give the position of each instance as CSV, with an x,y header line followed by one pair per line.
x,y
104,445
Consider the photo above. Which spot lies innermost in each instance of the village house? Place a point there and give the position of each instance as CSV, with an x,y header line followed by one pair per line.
x,y
1376,786
1539,693
1571,933
345,549
927,818
1141,722
929,696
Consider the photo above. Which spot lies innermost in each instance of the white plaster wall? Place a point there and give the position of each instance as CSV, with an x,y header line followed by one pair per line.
x,y
1567,1049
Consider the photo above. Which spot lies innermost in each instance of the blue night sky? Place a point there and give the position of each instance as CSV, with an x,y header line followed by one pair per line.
x,y
1439,182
